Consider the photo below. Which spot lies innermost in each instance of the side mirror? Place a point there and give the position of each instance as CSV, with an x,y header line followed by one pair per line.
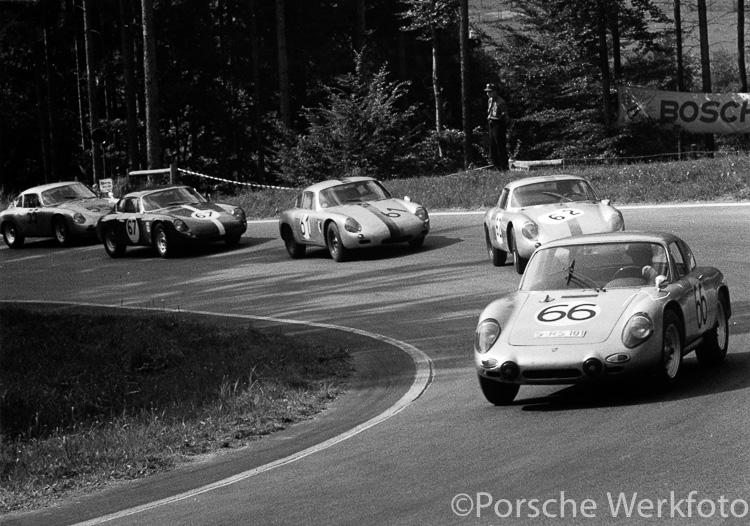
x,y
660,281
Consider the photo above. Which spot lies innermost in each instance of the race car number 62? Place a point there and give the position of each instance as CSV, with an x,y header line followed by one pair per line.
x,y
564,313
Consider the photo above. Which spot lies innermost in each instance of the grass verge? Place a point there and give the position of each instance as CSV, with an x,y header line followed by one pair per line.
x,y
87,398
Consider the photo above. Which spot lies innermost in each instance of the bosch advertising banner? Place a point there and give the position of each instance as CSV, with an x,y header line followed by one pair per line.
x,y
692,112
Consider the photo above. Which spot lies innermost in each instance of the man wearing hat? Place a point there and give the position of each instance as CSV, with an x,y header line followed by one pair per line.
x,y
497,122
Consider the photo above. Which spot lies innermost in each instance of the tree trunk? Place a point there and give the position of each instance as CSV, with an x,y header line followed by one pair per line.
x,y
741,45
92,93
260,171
678,46
604,62
284,89
437,89
705,61
128,70
360,30
614,29
465,105
41,114
151,80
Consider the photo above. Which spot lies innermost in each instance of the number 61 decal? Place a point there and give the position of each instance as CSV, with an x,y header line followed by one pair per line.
x,y
568,313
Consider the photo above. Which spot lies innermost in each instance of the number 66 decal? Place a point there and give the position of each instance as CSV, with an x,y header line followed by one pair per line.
x,y
568,313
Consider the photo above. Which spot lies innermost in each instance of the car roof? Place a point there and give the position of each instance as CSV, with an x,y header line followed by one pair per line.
x,y
322,185
48,186
152,189
542,179
626,236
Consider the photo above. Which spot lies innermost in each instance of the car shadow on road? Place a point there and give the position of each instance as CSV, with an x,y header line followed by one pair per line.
x,y
398,250
696,381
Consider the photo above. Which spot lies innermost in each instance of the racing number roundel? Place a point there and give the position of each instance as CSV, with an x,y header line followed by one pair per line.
x,y
560,216
567,313
131,227
205,215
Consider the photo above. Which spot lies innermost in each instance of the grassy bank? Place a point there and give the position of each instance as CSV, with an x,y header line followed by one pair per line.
x,y
90,398
725,178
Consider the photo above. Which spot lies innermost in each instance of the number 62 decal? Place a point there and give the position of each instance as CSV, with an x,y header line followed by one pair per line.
x,y
568,313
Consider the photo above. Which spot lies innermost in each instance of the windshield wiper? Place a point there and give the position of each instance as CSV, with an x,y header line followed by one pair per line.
x,y
581,280
553,194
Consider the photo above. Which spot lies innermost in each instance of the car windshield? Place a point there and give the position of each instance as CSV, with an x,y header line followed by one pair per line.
x,y
169,197
548,192
69,192
595,266
353,193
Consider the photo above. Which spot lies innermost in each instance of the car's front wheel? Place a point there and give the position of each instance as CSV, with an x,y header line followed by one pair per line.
x,y
498,256
670,365
11,236
417,242
113,247
713,350
163,242
62,233
336,247
518,262
233,241
498,393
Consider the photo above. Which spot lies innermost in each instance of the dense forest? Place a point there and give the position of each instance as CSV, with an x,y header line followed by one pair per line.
x,y
292,91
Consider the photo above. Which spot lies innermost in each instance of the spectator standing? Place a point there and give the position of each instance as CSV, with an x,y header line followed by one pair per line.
x,y
497,122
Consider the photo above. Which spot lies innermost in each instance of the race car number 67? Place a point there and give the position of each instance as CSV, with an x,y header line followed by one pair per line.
x,y
564,313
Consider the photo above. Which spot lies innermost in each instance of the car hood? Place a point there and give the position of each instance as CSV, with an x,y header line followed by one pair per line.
x,y
94,205
568,317
568,219
373,214
195,211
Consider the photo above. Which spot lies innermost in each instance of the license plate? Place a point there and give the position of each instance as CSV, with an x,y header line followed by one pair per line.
x,y
570,333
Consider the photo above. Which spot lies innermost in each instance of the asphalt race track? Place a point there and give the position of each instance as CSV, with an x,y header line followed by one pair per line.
x,y
436,452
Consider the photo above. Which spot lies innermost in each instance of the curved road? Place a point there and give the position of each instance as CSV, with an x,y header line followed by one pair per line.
x,y
559,455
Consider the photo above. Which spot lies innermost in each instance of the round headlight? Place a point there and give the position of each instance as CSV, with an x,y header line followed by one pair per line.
x,y
352,226
637,330
530,230
239,214
487,333
180,225
616,222
422,214
78,218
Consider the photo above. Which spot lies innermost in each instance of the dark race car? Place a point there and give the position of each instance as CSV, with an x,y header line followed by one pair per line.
x,y
169,218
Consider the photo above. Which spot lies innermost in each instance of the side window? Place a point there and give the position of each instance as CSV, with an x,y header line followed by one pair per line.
x,y
679,261
688,256
307,201
503,201
31,201
129,206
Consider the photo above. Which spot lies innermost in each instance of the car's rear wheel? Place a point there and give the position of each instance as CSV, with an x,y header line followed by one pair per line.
x,y
335,246
497,256
62,234
498,393
295,250
670,364
113,247
518,262
163,242
11,236
713,350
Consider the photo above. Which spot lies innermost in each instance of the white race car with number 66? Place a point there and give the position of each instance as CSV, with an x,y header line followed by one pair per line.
x,y
535,210
350,213
598,307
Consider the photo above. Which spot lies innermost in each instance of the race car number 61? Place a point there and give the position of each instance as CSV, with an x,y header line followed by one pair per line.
x,y
567,313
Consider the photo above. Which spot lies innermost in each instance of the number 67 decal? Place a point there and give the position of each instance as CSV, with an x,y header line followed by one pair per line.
x,y
568,313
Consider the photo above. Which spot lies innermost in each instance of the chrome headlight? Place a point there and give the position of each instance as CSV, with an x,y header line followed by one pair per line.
x,y
352,226
530,230
487,334
78,218
180,225
616,222
239,214
422,214
637,330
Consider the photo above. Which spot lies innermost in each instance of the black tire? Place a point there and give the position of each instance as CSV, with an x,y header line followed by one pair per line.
x,y
295,250
11,236
233,241
417,243
163,242
670,364
713,350
498,393
498,256
518,262
113,247
336,247
61,231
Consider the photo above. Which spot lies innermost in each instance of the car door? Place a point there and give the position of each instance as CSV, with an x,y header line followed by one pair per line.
x,y
693,300
29,216
500,222
130,221
306,220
